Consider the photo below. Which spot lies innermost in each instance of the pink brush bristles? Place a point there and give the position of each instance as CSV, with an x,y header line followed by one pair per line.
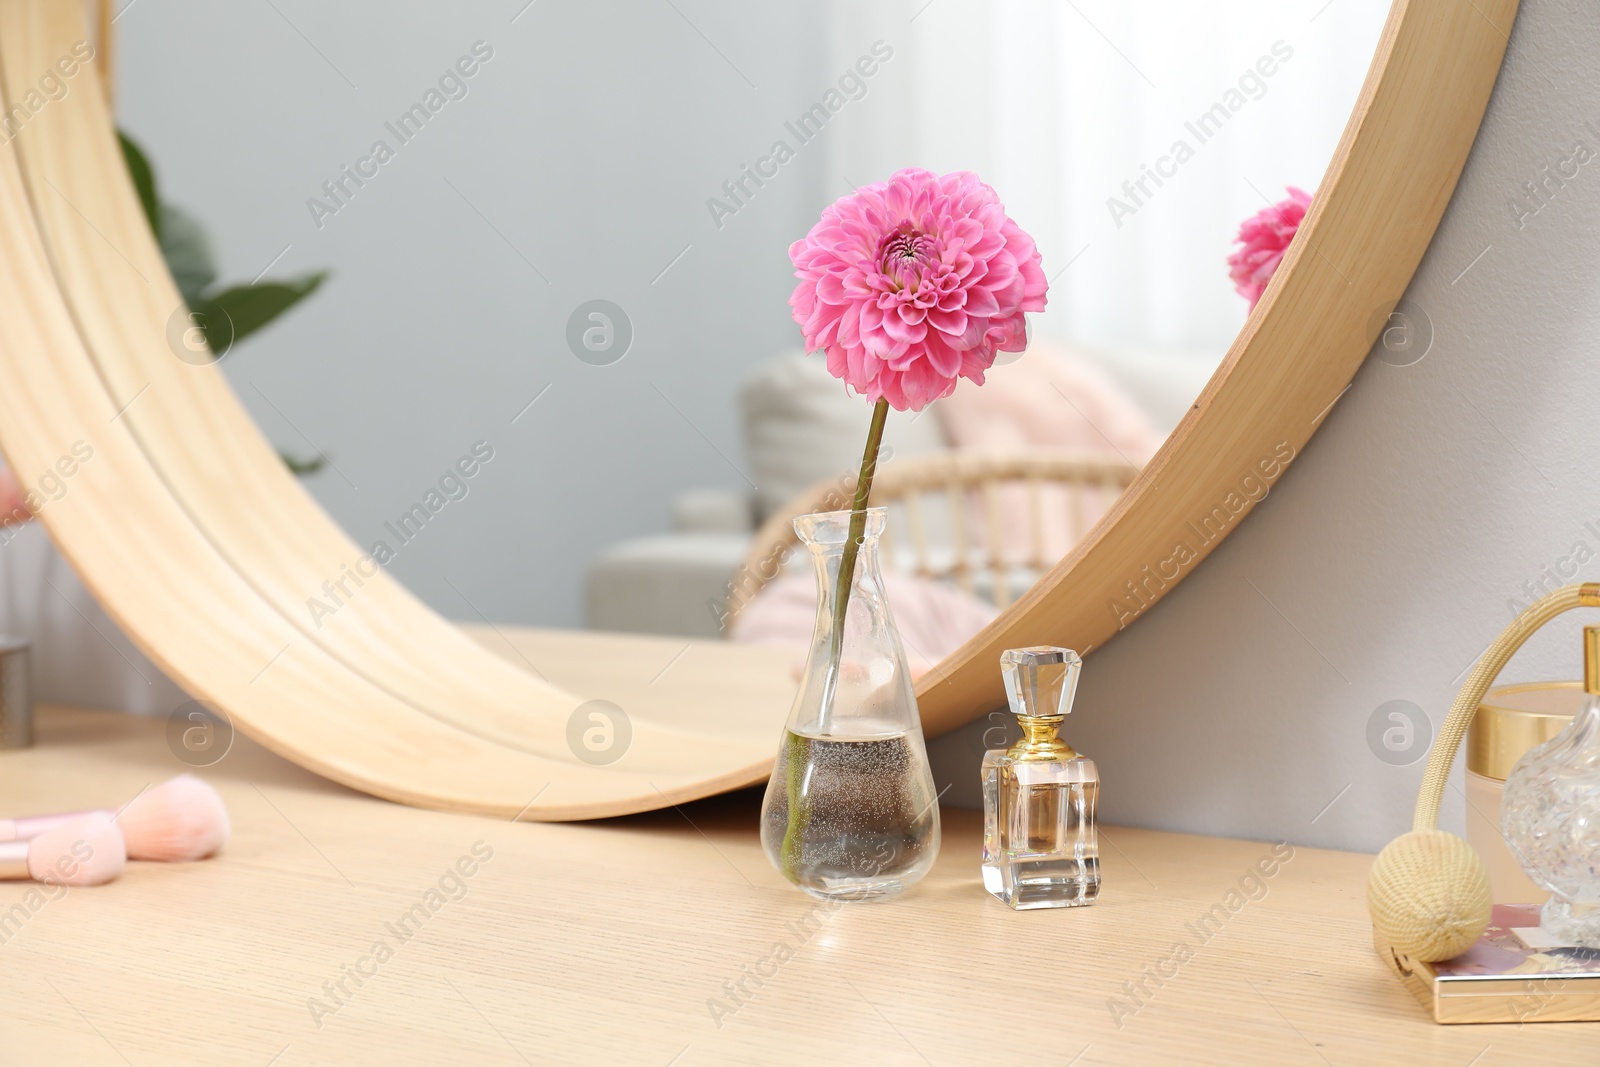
x,y
86,850
177,821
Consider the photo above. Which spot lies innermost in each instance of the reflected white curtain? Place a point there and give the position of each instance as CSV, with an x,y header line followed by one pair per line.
x,y
1057,104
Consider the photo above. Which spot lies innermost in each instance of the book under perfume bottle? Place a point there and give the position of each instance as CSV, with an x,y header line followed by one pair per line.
x,y
1039,844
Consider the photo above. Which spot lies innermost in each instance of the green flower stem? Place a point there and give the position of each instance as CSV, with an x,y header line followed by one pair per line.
x,y
799,804
852,546
799,746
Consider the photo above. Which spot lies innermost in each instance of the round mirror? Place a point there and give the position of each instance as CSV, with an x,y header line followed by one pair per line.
x,y
505,288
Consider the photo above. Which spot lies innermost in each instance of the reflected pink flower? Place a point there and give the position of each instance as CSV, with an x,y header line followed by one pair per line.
x,y
1264,237
911,284
13,500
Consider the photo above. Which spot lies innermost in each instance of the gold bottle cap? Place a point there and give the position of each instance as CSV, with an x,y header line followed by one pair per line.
x,y
1515,718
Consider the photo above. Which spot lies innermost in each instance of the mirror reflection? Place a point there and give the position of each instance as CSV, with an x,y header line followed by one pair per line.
x,y
507,283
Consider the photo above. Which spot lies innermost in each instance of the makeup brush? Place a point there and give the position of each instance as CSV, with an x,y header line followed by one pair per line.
x,y
81,850
181,819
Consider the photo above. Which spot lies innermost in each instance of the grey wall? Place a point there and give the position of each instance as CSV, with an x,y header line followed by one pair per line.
x,y
577,166
1397,546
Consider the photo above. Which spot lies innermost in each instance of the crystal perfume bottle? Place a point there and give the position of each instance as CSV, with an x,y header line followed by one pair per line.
x,y
1039,844
1550,815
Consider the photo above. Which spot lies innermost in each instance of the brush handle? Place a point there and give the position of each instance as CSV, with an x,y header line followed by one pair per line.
x,y
14,862
26,829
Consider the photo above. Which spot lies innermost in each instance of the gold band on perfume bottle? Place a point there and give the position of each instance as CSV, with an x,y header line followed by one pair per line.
x,y
1040,741
1591,659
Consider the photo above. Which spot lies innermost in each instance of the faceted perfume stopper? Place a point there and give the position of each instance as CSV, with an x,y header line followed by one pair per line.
x,y
1040,681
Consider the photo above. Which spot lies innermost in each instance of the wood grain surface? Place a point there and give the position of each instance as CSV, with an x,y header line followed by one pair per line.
x,y
611,942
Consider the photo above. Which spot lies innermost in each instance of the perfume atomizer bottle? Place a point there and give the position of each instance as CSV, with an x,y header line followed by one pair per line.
x,y
1550,816
1040,849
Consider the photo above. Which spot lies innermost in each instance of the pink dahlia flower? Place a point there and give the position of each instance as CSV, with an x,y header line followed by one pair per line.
x,y
914,283
1264,238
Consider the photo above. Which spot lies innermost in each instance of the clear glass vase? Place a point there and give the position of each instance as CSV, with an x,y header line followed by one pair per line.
x,y
1550,815
851,812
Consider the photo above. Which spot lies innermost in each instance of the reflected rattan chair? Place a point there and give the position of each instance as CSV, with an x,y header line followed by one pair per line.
x,y
987,523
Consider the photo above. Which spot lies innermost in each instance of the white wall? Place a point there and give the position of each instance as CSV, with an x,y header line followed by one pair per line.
x,y
591,142
1388,557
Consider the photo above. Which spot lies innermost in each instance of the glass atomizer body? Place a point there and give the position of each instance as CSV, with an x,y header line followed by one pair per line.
x,y
1550,816
1040,848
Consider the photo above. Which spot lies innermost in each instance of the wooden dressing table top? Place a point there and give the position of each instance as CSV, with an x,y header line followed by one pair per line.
x,y
612,942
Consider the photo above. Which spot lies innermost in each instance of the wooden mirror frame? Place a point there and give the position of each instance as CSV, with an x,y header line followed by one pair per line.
x,y
195,539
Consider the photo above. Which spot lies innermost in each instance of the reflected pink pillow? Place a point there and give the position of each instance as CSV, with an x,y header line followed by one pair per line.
x,y
1048,399
933,619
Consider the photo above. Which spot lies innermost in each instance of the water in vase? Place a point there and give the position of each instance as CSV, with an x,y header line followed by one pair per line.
x,y
864,817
